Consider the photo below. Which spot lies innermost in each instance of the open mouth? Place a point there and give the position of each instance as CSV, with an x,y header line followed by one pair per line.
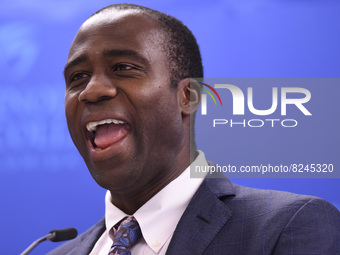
x,y
105,133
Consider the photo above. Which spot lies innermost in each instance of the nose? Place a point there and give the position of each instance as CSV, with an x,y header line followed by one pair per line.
x,y
98,89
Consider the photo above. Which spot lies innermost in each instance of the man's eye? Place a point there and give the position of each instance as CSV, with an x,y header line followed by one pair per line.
x,y
123,67
78,76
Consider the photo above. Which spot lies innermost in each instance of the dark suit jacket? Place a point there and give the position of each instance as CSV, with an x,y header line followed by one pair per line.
x,y
223,218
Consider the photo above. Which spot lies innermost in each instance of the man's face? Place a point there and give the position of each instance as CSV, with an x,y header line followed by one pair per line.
x,y
121,111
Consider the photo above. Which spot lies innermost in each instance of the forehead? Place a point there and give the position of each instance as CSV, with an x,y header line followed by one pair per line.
x,y
119,29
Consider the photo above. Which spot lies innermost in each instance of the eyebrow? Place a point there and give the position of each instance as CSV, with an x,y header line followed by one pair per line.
x,y
76,61
125,53
109,54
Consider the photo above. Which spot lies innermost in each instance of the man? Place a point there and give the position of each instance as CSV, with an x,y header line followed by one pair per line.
x,y
128,102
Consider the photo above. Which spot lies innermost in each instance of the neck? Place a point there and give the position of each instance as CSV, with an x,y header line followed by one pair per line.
x,y
129,201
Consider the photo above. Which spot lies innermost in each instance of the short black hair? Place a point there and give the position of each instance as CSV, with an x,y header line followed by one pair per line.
x,y
181,45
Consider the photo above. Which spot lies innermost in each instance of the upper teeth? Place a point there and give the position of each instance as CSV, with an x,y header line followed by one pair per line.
x,y
92,126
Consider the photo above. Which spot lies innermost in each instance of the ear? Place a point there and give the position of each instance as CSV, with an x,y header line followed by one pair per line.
x,y
189,95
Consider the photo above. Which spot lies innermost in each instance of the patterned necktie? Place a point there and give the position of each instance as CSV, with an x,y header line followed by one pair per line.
x,y
127,235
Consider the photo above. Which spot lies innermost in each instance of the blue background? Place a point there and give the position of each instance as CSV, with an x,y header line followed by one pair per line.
x,y
44,183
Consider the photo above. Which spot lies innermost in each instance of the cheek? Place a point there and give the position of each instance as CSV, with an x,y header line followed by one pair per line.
x,y
71,105
158,98
161,115
71,109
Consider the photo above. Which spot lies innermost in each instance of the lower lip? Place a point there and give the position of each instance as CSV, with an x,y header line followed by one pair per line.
x,y
110,152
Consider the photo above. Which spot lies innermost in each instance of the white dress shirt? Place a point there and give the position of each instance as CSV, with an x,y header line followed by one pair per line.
x,y
157,218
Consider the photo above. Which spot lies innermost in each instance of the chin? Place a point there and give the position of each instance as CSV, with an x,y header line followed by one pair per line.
x,y
113,178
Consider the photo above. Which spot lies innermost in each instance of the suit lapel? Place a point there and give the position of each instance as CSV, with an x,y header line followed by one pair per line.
x,y
88,239
205,215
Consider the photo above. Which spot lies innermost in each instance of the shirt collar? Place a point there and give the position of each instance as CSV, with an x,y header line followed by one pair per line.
x,y
159,216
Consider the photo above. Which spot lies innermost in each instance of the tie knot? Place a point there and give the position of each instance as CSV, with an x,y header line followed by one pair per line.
x,y
127,234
